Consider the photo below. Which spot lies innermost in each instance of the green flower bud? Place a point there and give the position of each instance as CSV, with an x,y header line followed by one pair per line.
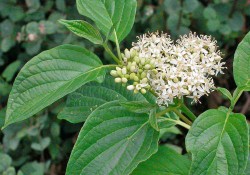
x,y
137,59
131,76
136,78
155,71
119,72
129,65
133,53
127,76
143,74
176,80
136,91
144,80
143,91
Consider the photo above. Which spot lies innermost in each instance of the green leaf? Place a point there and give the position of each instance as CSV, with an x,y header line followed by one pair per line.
x,y
153,119
6,163
33,168
191,5
83,29
225,92
10,171
84,101
10,71
43,144
112,141
48,77
236,23
241,65
209,13
219,143
165,162
7,43
105,14
213,24
137,106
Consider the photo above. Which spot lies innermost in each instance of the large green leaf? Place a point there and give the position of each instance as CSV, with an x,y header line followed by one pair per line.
x,y
50,76
84,101
241,65
138,106
219,143
83,29
112,141
165,162
118,13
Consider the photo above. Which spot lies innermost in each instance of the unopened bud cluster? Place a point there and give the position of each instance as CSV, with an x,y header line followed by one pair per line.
x,y
171,70
135,70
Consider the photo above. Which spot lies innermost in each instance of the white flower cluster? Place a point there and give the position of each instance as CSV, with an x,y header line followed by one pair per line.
x,y
184,68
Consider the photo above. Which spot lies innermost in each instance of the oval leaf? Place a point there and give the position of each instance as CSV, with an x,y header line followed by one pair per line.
x,y
225,92
85,100
241,65
106,14
219,143
83,29
112,141
50,76
165,162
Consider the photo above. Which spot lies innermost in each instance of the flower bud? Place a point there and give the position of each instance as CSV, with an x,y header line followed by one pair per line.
x,y
119,72
132,75
142,61
130,87
144,80
118,68
133,53
113,73
132,68
124,71
143,74
118,80
155,71
136,91
127,53
143,91
147,66
124,80
137,59
175,80
136,78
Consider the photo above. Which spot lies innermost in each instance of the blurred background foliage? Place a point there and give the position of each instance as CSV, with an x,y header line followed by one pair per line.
x,y
42,145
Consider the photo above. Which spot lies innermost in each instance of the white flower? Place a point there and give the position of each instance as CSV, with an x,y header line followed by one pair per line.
x,y
185,69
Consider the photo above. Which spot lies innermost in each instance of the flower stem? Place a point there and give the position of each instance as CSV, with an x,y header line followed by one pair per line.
x,y
187,111
117,46
178,122
165,111
111,53
185,119
183,124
